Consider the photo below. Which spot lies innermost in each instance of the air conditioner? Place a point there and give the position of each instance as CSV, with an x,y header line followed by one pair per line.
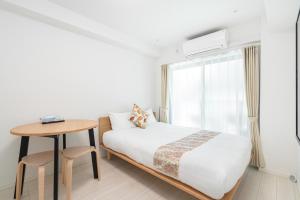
x,y
212,41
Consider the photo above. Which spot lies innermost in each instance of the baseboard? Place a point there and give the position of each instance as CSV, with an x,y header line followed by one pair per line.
x,y
298,187
275,172
297,190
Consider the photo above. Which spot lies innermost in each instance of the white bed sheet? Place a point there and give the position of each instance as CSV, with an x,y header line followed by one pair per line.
x,y
212,168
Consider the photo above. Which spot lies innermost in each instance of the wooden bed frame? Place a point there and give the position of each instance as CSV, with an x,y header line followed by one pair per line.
x,y
105,125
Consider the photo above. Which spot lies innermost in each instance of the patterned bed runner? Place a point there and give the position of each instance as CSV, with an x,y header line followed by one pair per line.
x,y
166,158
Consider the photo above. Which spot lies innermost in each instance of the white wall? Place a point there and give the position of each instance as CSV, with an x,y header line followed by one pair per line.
x,y
298,167
45,70
277,114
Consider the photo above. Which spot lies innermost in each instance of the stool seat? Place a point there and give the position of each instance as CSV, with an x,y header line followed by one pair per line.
x,y
38,159
76,152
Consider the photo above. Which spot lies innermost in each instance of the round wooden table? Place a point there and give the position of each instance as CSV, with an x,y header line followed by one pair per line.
x,y
54,130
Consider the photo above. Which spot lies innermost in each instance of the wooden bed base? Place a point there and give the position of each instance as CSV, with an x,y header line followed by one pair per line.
x,y
104,126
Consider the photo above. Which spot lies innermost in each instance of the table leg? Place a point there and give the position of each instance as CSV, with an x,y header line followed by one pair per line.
x,y
56,160
93,154
64,141
23,152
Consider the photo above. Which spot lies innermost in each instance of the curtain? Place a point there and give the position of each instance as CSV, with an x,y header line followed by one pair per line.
x,y
209,93
163,111
252,70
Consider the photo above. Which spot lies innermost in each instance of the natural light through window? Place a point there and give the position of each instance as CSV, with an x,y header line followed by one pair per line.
x,y
209,93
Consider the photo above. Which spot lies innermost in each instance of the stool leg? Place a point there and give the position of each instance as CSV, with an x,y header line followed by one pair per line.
x,y
69,166
41,180
19,180
98,163
63,170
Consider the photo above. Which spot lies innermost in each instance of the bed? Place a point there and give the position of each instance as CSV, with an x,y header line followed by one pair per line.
x,y
220,164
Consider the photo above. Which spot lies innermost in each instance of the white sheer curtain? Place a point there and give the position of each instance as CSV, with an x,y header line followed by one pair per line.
x,y
209,93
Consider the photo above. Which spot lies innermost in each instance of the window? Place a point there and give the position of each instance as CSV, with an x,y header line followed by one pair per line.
x,y
209,93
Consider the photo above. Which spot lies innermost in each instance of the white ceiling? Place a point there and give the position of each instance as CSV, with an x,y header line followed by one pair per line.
x,y
281,13
164,22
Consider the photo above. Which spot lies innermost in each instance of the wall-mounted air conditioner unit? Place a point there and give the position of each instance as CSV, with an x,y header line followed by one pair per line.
x,y
212,41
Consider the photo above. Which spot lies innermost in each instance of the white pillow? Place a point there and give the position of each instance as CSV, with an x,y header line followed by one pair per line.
x,y
151,119
120,121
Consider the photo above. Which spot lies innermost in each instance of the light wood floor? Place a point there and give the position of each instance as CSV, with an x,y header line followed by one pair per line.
x,y
121,181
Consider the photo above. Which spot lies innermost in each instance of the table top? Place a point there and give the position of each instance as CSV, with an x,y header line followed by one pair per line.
x,y
38,129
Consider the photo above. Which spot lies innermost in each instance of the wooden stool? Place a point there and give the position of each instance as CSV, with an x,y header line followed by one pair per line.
x,y
36,160
68,155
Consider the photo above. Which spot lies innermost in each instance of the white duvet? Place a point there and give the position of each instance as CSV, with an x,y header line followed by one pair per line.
x,y
212,168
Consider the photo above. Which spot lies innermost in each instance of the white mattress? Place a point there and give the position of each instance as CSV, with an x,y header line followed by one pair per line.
x,y
212,168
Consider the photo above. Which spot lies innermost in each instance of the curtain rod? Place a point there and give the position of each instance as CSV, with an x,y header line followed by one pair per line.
x,y
219,51
243,45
